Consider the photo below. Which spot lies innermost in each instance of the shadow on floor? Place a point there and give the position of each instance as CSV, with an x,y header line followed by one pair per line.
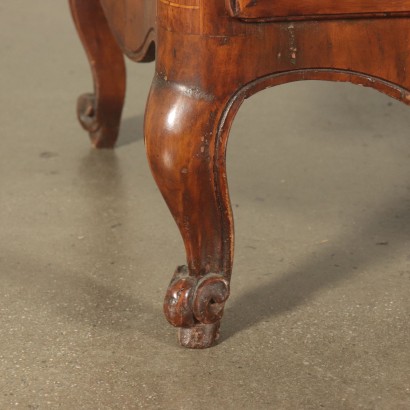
x,y
380,238
131,130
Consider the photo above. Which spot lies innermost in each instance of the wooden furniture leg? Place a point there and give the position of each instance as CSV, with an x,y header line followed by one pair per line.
x,y
182,137
100,112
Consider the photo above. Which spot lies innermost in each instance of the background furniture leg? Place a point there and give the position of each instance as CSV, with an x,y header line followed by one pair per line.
x,y
100,112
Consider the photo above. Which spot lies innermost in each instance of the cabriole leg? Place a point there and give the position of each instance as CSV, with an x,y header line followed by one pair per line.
x,y
181,131
100,113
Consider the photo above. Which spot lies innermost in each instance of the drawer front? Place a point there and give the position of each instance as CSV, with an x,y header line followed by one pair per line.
x,y
285,9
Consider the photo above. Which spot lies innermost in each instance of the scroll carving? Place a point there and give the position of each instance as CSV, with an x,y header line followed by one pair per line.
x,y
190,301
87,112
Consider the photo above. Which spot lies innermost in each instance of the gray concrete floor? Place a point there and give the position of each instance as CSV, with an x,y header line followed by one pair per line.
x,y
320,182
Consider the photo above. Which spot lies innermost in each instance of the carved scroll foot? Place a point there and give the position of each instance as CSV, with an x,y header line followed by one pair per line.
x,y
196,305
100,112
103,132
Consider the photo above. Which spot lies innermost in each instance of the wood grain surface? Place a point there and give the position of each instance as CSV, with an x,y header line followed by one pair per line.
x,y
276,9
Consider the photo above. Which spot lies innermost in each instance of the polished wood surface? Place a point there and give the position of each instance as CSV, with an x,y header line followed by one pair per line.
x,y
100,112
276,9
207,64
133,25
